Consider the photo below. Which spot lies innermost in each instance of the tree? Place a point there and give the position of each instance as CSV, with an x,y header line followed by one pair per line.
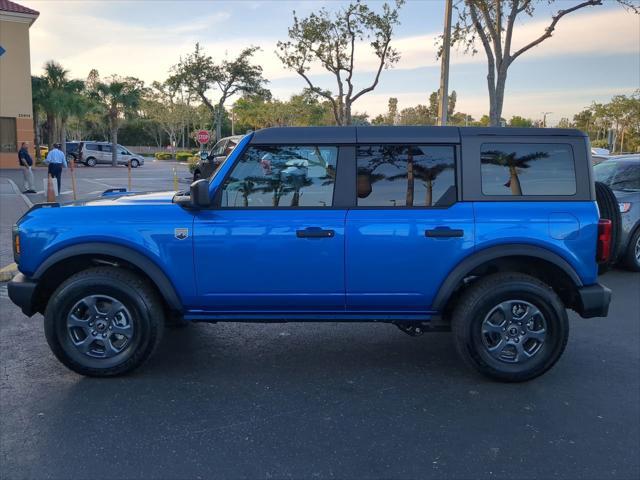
x,y
163,106
493,23
118,97
199,74
517,121
39,99
330,40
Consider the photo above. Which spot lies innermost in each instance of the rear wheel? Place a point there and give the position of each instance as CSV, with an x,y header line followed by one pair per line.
x,y
103,322
608,206
91,162
510,327
632,255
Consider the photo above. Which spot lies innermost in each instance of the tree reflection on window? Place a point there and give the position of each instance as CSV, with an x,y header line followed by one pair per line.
x,y
282,176
393,175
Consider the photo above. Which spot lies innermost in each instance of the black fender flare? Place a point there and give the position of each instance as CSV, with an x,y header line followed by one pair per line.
x,y
476,259
139,260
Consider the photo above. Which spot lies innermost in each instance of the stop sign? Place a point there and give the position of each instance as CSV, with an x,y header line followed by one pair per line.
x,y
203,136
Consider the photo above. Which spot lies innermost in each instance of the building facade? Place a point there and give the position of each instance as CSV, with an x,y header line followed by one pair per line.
x,y
16,110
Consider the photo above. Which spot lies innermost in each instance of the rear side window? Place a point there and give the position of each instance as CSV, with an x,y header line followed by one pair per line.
x,y
92,147
405,176
282,176
521,169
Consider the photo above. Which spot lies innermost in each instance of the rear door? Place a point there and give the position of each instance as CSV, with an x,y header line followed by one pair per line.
x,y
105,154
407,230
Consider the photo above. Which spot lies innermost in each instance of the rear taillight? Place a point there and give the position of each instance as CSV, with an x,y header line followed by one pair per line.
x,y
603,252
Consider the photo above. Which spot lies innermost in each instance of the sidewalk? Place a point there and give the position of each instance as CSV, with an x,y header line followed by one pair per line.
x,y
12,207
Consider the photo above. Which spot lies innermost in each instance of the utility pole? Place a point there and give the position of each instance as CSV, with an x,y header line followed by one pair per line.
x,y
544,118
443,104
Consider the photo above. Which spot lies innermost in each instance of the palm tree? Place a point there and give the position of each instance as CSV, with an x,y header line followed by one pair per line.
x,y
428,176
54,80
514,163
119,98
39,99
71,103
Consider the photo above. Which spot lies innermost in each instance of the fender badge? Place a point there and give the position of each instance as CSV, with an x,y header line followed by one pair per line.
x,y
181,233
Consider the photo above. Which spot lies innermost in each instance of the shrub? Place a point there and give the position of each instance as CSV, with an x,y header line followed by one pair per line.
x,y
600,143
193,162
183,156
163,156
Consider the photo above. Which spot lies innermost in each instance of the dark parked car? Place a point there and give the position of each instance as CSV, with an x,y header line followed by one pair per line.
x,y
622,175
209,162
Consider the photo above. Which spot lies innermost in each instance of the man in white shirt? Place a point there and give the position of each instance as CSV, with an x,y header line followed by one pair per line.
x,y
56,161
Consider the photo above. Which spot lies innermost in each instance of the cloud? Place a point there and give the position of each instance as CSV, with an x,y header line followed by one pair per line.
x,y
81,36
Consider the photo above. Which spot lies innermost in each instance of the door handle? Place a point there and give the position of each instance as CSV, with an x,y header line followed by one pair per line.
x,y
315,232
444,232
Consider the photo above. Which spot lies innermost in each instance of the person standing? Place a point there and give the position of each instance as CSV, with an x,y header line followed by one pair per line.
x,y
26,162
56,161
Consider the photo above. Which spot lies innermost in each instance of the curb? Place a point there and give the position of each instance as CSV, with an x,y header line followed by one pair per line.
x,y
8,272
18,192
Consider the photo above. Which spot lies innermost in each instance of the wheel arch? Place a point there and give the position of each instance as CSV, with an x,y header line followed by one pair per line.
x,y
72,259
532,260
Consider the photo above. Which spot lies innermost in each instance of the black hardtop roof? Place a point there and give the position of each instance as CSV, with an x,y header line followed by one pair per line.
x,y
396,134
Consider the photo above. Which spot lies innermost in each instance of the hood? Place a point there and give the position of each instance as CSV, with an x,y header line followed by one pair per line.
x,y
151,198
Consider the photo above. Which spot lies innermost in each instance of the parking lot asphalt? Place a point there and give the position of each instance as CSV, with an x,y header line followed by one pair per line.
x,y
324,401
90,182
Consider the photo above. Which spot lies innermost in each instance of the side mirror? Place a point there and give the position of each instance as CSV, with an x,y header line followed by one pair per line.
x,y
200,194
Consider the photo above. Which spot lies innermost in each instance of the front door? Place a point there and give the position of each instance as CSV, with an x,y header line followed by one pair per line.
x,y
273,242
407,230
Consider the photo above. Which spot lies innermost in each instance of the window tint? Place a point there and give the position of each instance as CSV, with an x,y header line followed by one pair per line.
x,y
8,142
282,176
92,147
527,169
106,148
412,176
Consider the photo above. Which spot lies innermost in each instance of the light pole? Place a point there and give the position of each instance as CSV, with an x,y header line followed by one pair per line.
x,y
444,68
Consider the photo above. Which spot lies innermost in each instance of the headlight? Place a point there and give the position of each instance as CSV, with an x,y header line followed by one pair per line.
x,y
624,207
15,234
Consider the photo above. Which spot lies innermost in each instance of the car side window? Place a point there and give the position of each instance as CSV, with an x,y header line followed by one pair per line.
x,y
229,147
521,169
91,146
405,176
106,148
218,149
282,176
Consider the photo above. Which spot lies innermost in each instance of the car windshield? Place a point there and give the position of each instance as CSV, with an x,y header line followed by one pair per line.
x,y
624,176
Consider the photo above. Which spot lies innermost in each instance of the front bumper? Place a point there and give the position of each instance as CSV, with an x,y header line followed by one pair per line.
x,y
593,301
22,292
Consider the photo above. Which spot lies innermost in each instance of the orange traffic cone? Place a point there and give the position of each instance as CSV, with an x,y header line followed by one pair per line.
x,y
51,194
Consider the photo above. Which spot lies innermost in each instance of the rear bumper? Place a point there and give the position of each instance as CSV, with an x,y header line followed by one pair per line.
x,y
22,292
593,301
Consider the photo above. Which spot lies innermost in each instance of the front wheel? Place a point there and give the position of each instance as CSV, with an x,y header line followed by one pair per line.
x,y
510,327
632,255
134,163
103,322
91,162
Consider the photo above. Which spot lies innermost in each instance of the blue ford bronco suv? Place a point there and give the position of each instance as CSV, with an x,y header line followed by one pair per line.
x,y
492,233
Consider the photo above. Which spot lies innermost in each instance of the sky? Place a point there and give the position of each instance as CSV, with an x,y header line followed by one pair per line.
x,y
593,55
